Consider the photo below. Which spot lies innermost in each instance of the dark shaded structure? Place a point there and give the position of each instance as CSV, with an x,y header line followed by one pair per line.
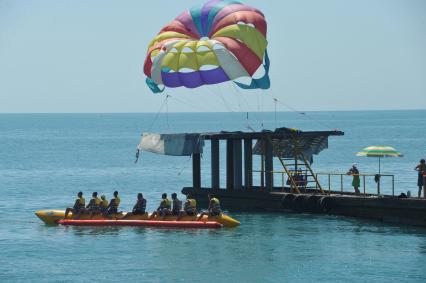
x,y
294,149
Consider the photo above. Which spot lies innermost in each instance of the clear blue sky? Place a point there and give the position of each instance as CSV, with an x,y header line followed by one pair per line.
x,y
87,56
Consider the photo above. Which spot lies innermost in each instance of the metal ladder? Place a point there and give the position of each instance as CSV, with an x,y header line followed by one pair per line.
x,y
303,165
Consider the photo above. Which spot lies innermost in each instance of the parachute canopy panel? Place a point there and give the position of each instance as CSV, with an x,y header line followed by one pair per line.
x,y
216,42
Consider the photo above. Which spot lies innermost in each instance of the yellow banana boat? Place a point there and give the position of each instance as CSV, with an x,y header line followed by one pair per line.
x,y
52,217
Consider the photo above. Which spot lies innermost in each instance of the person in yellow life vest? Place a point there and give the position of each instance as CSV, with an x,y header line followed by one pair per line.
x,y
213,209
94,205
113,204
189,207
78,207
165,207
103,207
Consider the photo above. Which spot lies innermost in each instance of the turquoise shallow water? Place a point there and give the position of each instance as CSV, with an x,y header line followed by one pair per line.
x,y
46,158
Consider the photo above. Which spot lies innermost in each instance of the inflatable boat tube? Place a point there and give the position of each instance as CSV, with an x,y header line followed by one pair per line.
x,y
144,223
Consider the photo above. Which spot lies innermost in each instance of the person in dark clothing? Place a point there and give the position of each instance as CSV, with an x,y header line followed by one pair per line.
x,y
78,207
421,168
177,204
140,206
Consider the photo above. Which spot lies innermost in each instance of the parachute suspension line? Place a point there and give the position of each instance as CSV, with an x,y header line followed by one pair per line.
x,y
190,105
152,124
275,111
288,106
302,113
261,109
183,166
237,95
158,112
167,113
248,123
224,101
248,108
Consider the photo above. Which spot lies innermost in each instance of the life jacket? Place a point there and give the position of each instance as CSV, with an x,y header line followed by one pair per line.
x,y
95,203
104,203
141,205
191,205
115,202
177,205
166,203
80,203
215,204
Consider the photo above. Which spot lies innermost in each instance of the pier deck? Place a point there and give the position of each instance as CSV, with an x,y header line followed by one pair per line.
x,y
407,211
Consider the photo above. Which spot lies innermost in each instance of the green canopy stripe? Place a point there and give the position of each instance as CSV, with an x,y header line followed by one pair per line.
x,y
379,151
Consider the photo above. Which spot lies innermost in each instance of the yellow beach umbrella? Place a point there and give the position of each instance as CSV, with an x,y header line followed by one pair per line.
x,y
379,151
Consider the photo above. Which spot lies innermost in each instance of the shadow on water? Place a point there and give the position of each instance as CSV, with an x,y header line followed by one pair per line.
x,y
116,231
341,223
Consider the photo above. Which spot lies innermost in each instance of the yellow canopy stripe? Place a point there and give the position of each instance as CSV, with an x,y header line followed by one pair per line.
x,y
166,35
176,58
249,35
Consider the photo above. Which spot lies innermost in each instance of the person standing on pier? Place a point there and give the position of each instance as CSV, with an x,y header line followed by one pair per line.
x,y
356,180
421,168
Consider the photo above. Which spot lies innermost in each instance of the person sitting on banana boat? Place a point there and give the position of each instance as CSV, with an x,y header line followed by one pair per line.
x,y
177,204
164,208
213,209
113,204
78,207
103,207
189,207
140,206
94,205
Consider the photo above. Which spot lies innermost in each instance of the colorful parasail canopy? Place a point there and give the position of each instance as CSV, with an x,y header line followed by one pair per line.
x,y
219,41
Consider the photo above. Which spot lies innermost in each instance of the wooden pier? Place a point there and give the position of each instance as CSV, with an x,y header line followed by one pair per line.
x,y
294,150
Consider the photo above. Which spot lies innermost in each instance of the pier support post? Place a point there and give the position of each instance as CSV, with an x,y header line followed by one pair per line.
x,y
269,165
196,171
229,164
237,160
248,164
262,164
215,164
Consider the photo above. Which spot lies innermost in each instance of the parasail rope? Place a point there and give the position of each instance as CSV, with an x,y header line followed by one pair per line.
x,y
276,100
158,112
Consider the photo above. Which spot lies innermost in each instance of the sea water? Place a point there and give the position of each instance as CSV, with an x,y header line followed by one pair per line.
x,y
45,159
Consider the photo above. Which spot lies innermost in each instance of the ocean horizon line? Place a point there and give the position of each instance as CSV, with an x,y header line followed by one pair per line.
x,y
219,112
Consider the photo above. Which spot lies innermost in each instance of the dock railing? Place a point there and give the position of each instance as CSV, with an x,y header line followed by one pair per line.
x,y
339,185
363,184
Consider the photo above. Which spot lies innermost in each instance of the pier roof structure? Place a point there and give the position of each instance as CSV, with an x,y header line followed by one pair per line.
x,y
279,133
283,143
